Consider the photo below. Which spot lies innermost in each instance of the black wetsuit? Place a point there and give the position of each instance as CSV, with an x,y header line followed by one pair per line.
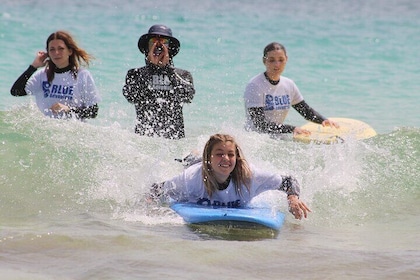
x,y
159,94
262,125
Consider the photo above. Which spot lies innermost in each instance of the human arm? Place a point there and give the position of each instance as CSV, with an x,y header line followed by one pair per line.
x,y
85,102
182,82
297,207
18,88
162,192
308,113
255,103
264,126
161,57
88,112
186,186
155,192
135,85
311,115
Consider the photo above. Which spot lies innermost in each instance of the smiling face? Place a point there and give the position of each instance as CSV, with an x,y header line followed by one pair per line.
x,y
59,53
223,160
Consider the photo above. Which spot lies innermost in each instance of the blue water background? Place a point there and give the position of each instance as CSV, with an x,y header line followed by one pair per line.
x,y
69,191
356,59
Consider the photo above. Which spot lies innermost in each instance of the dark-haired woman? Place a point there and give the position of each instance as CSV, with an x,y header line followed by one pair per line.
x,y
269,97
62,89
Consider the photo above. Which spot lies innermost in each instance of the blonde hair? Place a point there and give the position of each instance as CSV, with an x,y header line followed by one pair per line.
x,y
241,174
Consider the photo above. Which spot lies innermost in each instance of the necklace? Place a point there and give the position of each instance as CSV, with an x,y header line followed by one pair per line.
x,y
270,80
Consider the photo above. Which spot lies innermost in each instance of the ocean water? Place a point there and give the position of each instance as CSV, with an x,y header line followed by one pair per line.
x,y
70,192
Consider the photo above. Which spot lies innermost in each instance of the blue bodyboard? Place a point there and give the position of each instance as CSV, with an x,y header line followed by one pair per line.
x,y
196,214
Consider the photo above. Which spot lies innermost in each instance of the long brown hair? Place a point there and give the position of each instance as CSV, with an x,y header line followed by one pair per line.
x,y
77,58
241,174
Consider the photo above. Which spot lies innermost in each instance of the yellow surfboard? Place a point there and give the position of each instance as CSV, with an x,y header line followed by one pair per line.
x,y
349,129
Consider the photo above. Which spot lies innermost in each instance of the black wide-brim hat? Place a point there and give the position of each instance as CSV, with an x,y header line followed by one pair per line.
x,y
159,30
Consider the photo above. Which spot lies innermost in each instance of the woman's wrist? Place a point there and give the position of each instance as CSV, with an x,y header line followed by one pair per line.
x,y
292,197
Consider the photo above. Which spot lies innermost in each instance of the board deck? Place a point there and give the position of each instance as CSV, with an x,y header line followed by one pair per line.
x,y
196,214
349,129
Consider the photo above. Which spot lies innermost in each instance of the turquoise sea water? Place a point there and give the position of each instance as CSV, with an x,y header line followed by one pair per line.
x,y
69,191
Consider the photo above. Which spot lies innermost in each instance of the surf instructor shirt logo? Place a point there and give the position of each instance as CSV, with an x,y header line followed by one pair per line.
x,y
161,82
276,102
57,91
208,202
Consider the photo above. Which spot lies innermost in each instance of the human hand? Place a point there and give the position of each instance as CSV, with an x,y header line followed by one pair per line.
x,y
330,123
158,58
58,108
299,130
40,59
297,207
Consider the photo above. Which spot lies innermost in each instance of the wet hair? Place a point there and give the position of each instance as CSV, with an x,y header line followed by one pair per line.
x,y
77,58
241,174
273,46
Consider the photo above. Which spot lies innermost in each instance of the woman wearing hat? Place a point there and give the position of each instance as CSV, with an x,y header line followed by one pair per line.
x,y
159,90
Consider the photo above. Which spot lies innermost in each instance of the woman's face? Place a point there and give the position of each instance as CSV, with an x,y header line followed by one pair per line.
x,y
223,160
59,53
275,62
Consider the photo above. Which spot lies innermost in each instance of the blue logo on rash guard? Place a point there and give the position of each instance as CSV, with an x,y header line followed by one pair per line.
x,y
208,202
46,88
57,91
277,102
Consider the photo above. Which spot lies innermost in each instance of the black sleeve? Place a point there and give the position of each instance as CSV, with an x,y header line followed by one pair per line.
x,y
290,185
308,113
262,125
18,88
135,87
182,81
85,112
156,191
